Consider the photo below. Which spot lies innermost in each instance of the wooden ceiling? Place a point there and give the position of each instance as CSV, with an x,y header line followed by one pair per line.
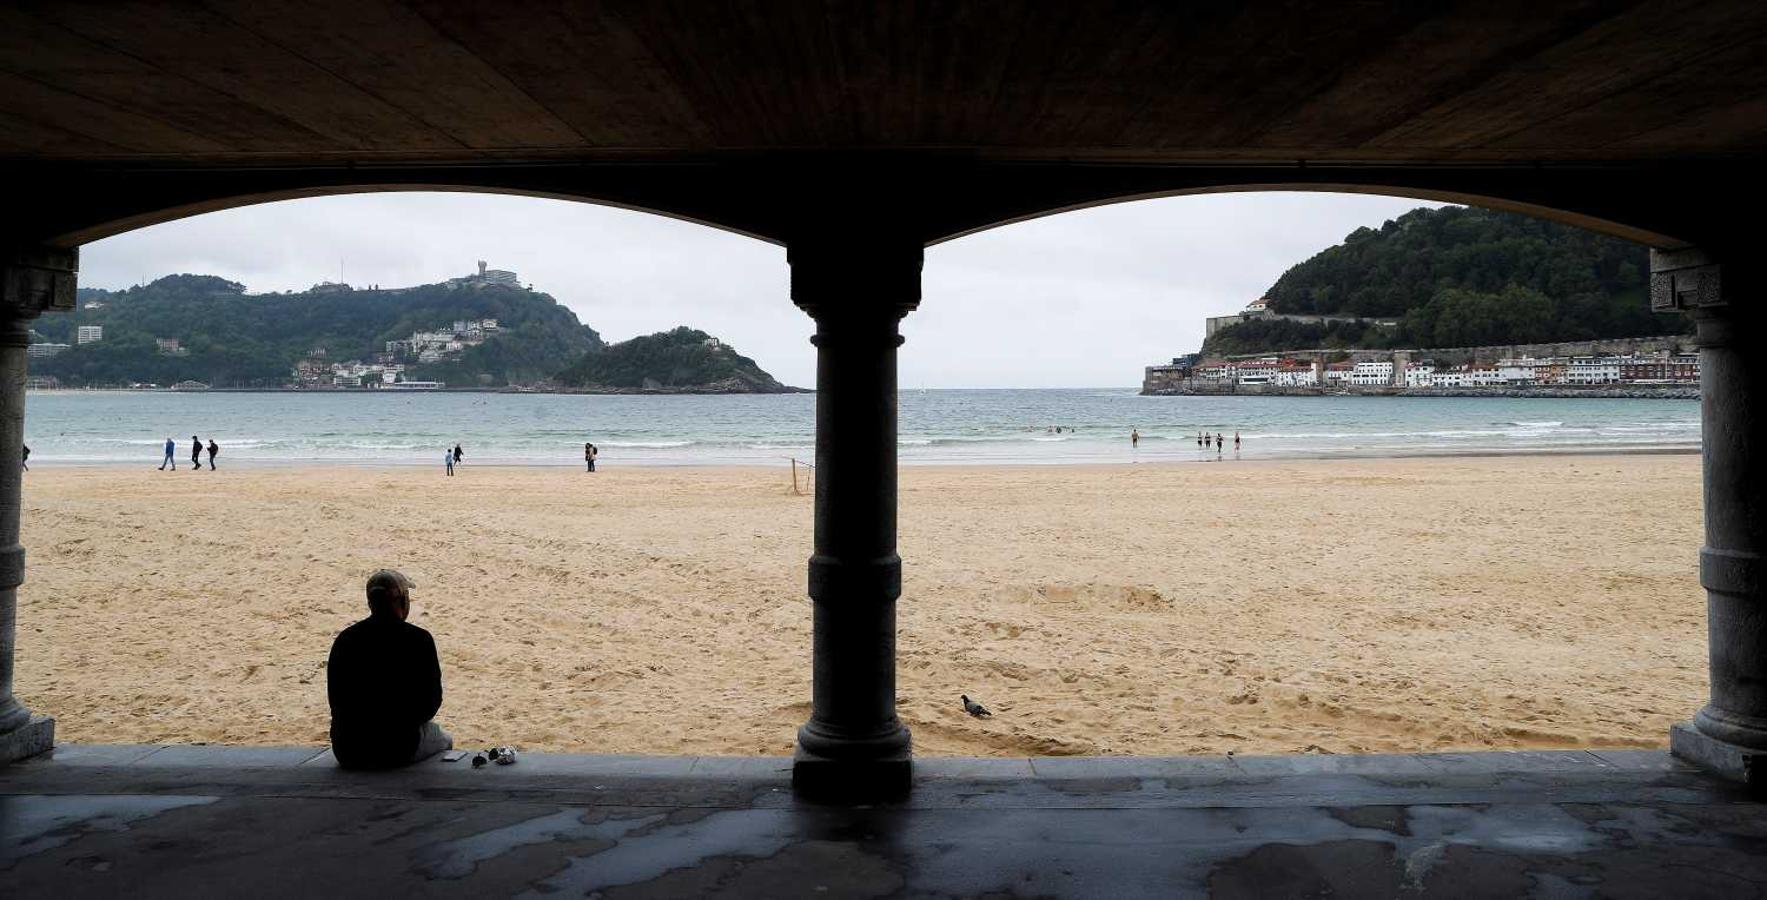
x,y
261,81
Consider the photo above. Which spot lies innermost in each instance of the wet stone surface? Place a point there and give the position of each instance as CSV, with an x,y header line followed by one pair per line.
x,y
1513,827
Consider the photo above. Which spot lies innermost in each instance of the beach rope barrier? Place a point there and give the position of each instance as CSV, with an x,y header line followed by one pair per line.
x,y
794,474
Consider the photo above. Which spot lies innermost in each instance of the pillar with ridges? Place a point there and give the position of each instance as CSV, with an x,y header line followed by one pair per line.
x,y
1729,735
854,747
33,280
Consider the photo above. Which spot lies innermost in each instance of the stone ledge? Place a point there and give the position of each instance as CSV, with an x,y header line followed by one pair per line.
x,y
31,739
1728,761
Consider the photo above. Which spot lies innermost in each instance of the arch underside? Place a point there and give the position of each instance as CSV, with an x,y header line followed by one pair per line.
x,y
932,200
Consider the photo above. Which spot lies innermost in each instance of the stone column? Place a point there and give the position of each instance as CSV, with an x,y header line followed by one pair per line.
x,y
1729,735
854,747
33,280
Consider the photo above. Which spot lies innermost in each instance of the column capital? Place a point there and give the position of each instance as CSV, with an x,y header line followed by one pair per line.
x,y
857,275
1685,280
36,279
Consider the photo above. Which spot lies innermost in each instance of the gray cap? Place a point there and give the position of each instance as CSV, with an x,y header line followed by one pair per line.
x,y
387,579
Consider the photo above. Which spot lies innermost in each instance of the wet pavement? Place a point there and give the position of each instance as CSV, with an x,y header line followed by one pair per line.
x,y
147,821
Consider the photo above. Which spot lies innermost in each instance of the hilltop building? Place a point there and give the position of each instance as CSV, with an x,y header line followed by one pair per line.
x,y
485,276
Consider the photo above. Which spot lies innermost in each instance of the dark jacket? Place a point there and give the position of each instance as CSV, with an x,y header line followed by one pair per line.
x,y
384,682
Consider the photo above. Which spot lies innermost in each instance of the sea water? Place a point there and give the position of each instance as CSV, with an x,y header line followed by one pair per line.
x,y
936,426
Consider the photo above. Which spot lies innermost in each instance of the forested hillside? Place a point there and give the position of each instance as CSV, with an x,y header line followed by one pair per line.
x,y
1456,277
230,338
680,360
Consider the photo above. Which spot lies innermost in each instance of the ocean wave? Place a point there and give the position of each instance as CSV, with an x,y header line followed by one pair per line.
x,y
647,445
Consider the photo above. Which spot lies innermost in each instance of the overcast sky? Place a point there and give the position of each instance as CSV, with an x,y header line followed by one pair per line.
x,y
1081,299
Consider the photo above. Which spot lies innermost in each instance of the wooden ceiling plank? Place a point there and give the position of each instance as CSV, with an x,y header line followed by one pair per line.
x,y
122,129
50,55
1713,83
206,48
1417,70
393,54
1624,51
22,136
580,63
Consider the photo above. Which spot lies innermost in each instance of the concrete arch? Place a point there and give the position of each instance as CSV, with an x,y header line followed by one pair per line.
x,y
1593,223
160,216
71,208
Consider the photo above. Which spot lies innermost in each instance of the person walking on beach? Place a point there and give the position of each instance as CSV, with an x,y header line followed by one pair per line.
x,y
171,456
26,462
457,454
213,449
195,452
588,457
1134,437
448,460
384,683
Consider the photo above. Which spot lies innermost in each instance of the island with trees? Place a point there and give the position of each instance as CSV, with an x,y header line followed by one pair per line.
x,y
483,331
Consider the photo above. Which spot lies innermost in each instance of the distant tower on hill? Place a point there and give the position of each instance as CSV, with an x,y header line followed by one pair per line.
x,y
481,268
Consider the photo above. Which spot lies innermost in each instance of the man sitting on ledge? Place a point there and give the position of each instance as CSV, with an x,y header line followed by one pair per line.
x,y
385,684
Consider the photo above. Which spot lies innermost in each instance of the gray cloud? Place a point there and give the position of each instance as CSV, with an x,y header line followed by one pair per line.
x,y
1079,299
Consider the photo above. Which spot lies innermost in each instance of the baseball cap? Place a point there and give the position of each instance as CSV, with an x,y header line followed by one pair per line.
x,y
387,579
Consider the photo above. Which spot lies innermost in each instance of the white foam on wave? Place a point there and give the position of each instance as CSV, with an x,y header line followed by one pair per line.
x,y
647,445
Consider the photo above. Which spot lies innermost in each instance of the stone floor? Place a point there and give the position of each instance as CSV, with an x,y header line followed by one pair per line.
x,y
186,821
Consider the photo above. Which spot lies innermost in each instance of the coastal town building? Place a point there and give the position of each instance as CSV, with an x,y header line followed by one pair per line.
x,y
1372,373
1372,370
1592,370
45,349
88,334
1664,369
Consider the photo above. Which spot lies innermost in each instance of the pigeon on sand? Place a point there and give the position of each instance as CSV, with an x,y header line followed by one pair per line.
x,y
974,708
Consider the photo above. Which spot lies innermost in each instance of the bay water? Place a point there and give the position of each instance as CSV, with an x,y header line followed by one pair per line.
x,y
936,426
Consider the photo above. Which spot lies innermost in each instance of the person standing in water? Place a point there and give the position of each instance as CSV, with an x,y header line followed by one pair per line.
x,y
171,456
1134,437
1236,442
195,452
448,461
213,449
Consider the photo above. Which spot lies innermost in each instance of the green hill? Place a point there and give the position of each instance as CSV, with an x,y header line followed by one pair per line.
x,y
1458,277
229,338
680,361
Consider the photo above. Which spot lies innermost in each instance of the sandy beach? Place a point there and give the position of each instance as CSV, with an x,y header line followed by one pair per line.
x,y
1257,607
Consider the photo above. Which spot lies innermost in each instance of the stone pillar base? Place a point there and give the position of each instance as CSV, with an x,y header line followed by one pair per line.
x,y
874,780
1726,760
31,738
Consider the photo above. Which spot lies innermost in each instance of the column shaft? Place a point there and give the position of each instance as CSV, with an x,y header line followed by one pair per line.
x,y
1729,735
13,715
1733,401
32,280
854,745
